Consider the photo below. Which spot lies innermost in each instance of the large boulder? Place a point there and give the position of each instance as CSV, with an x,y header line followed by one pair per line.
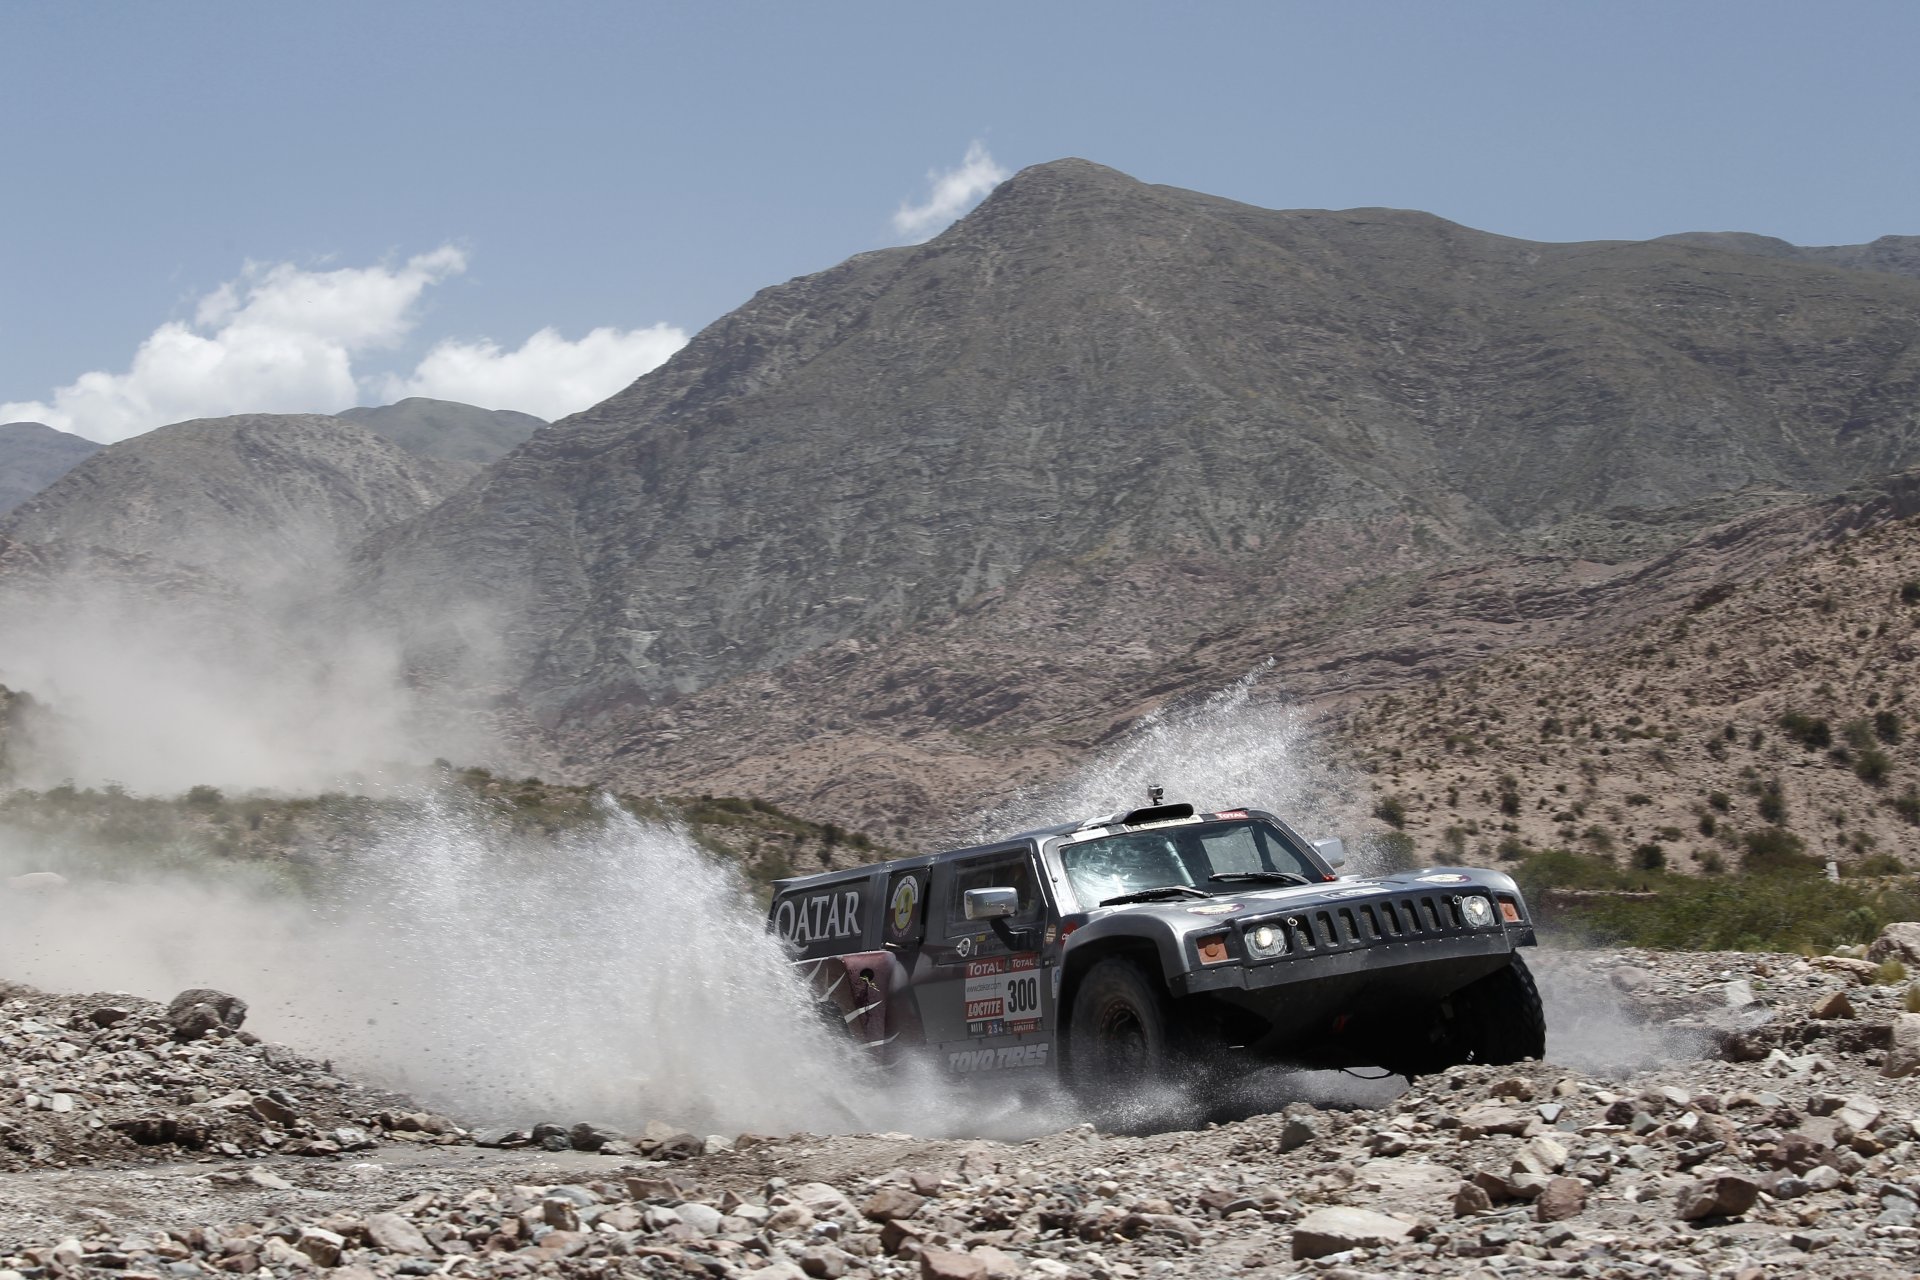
x,y
1903,1054
195,1012
1898,941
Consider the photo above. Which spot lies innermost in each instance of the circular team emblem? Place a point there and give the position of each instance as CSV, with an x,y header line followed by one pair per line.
x,y
906,900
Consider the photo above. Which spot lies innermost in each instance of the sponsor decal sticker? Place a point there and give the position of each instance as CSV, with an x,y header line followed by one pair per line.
x,y
1216,909
835,914
1444,877
1002,987
1350,893
906,900
1231,813
1018,1055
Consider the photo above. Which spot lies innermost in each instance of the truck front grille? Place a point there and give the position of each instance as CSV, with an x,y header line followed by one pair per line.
x,y
1362,924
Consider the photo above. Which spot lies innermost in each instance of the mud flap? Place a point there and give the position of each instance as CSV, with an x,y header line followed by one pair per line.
x,y
864,992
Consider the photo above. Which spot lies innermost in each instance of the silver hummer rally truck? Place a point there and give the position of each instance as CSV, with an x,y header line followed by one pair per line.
x,y
1160,944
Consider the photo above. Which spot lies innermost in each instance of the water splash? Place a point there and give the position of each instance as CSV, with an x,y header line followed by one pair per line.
x,y
1234,747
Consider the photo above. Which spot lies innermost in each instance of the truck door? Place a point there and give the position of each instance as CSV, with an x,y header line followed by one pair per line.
x,y
986,1001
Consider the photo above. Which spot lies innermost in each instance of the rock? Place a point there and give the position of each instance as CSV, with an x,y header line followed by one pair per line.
x,y
1898,941
560,1213
1903,1053
592,1137
825,1201
394,1234
1471,1199
944,1264
703,1218
1478,1122
321,1245
1726,1196
37,882
1562,1198
273,1111
1297,1132
1540,1155
890,1203
267,1178
1831,1006
1738,994
1858,1112
824,1262
1338,1228
108,1015
1862,972
195,1012
1000,1264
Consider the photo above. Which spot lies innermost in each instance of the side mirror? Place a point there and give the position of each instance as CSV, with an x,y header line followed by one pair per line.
x,y
1332,851
992,904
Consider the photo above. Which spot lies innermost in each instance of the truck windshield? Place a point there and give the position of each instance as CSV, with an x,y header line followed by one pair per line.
x,y
1238,852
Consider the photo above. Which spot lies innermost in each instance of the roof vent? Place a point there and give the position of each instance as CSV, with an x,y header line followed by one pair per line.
x,y
1155,813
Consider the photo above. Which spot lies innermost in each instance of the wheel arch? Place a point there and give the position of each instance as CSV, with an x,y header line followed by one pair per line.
x,y
1080,960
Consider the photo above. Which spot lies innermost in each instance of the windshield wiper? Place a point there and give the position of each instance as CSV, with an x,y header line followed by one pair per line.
x,y
1148,895
1264,877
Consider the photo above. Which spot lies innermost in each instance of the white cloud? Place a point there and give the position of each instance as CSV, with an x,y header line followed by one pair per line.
x,y
547,376
284,339
952,193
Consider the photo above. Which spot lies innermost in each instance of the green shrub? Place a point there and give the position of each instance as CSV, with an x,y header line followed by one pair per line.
x,y
1639,798
1811,732
1890,973
1773,805
1649,857
1910,592
1391,810
1708,823
1720,800
1907,805
1879,864
1776,851
1886,726
1872,765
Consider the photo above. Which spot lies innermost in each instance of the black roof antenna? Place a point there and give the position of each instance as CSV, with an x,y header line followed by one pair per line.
x,y
1155,794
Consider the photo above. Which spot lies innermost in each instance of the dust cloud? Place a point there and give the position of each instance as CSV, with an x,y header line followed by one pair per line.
x,y
161,683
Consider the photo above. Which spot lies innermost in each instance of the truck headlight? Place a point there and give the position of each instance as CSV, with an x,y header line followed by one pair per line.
x,y
1264,941
1477,911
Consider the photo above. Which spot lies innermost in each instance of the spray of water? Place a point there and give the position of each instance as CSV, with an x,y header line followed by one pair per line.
x,y
618,973
1234,747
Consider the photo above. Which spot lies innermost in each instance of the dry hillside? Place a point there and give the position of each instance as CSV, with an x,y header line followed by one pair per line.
x,y
1779,704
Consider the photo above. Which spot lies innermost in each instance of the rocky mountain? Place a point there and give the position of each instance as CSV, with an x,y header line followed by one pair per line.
x,y
253,498
446,429
1898,255
33,456
1120,429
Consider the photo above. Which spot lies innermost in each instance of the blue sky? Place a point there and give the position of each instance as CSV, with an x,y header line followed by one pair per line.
x,y
574,167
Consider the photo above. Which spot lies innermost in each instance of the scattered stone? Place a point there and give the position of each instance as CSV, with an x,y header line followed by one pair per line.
x,y
945,1264
1832,1006
891,1203
394,1234
1903,1053
1726,1196
194,1013
1560,1199
1339,1228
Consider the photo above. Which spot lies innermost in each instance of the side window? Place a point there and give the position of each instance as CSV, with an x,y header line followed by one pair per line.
x,y
995,871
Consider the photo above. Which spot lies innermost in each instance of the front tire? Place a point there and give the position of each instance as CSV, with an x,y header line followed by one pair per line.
x,y
1123,1055
1496,1020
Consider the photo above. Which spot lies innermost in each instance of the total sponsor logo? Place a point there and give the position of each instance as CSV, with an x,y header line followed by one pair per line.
x,y
1009,1058
1002,987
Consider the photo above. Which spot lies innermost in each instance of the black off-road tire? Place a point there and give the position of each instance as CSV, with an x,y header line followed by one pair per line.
x,y
1496,1020
1121,1038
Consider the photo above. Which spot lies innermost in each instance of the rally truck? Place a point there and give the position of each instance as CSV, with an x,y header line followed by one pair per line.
x,y
1161,944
